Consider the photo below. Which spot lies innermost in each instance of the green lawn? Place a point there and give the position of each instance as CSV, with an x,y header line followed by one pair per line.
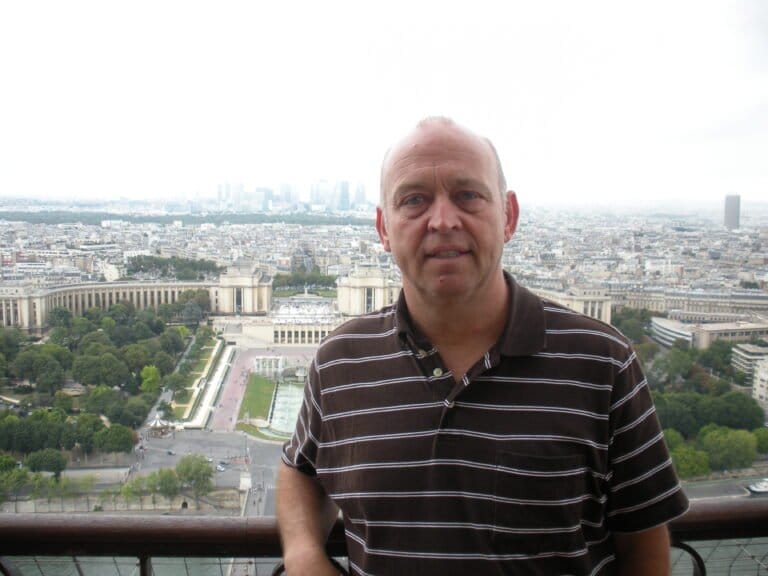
x,y
258,397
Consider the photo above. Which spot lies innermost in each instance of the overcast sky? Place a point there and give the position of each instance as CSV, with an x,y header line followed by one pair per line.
x,y
588,102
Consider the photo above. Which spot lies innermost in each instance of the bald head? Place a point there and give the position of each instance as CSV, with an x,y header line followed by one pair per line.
x,y
426,124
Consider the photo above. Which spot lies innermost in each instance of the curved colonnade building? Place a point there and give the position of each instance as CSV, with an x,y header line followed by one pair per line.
x,y
242,289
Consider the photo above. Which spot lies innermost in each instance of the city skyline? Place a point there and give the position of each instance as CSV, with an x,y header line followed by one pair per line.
x,y
592,103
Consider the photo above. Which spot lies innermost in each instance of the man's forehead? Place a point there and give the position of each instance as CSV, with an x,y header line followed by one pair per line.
x,y
434,137
437,147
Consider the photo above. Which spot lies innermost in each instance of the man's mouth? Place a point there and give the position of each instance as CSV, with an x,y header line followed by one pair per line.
x,y
445,254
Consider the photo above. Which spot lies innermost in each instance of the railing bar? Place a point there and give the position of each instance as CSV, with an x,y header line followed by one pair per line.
x,y
8,568
753,557
77,566
117,567
764,560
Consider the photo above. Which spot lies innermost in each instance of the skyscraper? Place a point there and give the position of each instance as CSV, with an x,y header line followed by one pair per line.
x,y
732,211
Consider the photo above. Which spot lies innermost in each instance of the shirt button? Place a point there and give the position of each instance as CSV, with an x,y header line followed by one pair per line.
x,y
437,372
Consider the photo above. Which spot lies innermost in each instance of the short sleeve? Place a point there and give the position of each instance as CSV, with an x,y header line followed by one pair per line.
x,y
300,451
644,488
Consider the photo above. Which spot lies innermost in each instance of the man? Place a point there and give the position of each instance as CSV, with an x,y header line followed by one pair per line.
x,y
473,428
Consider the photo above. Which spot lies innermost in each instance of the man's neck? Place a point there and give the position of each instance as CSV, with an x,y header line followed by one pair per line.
x,y
449,323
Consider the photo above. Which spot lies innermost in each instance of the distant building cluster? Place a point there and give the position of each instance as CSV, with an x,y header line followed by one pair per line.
x,y
323,196
709,280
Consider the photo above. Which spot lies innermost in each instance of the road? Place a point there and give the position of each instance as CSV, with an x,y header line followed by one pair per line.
x,y
726,488
226,412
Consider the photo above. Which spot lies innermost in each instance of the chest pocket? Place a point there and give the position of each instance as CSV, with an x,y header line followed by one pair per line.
x,y
540,502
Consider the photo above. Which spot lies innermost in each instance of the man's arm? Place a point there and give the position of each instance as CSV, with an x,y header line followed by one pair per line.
x,y
305,516
643,553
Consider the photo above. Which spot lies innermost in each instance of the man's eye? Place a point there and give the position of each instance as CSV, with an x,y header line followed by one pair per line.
x,y
468,195
413,200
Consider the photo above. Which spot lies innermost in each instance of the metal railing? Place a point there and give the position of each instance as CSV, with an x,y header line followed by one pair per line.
x,y
147,537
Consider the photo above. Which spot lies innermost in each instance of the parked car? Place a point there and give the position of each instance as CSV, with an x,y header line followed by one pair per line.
x,y
759,487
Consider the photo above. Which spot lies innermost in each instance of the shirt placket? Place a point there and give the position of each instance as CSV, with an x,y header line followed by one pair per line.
x,y
448,410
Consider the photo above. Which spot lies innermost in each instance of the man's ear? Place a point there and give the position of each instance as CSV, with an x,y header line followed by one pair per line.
x,y
512,211
381,228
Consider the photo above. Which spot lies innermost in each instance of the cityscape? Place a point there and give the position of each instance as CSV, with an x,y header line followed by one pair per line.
x,y
188,213
249,282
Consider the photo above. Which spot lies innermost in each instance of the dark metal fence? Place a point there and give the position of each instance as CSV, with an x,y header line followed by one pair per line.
x,y
146,537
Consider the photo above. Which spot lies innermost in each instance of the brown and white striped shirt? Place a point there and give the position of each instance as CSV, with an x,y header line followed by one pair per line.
x,y
526,466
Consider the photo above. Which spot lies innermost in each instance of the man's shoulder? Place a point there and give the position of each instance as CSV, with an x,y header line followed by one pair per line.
x,y
361,332
582,328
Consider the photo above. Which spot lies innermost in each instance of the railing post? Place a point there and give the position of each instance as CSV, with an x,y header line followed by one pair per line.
x,y
699,568
145,566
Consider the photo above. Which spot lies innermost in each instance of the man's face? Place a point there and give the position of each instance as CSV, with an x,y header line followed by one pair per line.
x,y
444,219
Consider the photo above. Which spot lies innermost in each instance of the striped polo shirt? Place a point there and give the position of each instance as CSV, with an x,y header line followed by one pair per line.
x,y
525,466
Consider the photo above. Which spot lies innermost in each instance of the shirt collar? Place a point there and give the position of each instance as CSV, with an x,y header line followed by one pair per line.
x,y
524,333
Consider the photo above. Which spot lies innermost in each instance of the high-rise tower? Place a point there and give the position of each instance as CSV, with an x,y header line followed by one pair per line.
x,y
732,211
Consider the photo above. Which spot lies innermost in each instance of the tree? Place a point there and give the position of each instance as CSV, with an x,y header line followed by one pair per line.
x,y
166,312
673,438
677,365
60,317
134,412
10,339
171,341
101,398
734,410
113,372
150,379
195,473
80,328
122,335
168,483
133,489
165,410
116,438
135,356
50,374
49,460
121,312
86,427
175,381
717,356
141,331
12,483
23,365
690,462
761,437
679,413
63,401
95,337
726,448
164,362
60,336
647,351
192,313
62,354
7,463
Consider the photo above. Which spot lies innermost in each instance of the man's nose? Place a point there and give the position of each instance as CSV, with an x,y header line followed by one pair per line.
x,y
443,214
